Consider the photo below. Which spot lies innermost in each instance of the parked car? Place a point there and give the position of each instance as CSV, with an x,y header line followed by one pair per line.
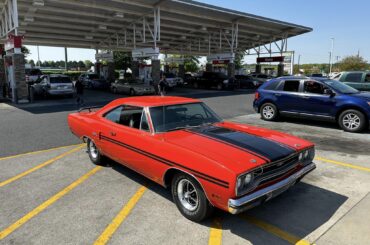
x,y
357,79
182,144
260,76
32,75
56,84
173,80
246,81
316,98
217,80
93,81
131,87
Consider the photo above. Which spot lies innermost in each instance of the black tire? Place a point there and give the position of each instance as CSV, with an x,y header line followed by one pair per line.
x,y
95,156
352,121
269,112
202,209
132,92
219,86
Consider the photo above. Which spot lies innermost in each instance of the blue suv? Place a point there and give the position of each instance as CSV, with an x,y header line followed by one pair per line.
x,y
315,98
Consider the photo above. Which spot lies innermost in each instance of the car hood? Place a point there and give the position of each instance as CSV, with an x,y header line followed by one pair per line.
x,y
235,148
363,95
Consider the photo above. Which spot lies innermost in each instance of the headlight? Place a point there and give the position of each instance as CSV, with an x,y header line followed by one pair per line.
x,y
307,156
243,182
368,102
226,81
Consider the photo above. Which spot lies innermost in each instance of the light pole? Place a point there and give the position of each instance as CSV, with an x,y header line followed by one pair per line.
x,y
331,55
38,56
299,59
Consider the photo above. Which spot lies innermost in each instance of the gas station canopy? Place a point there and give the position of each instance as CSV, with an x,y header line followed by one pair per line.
x,y
175,26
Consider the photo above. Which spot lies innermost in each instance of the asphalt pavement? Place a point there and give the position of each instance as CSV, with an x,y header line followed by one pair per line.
x,y
43,124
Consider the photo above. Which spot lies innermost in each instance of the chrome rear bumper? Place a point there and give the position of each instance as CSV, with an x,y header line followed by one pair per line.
x,y
256,198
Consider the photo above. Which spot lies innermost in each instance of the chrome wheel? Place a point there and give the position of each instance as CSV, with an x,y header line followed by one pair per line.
x,y
351,121
93,150
187,195
268,112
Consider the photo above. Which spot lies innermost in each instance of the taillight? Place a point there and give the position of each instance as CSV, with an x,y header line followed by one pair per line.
x,y
256,96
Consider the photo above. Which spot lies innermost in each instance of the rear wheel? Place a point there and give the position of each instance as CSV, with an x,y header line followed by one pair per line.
x,y
189,198
352,121
132,92
269,112
94,154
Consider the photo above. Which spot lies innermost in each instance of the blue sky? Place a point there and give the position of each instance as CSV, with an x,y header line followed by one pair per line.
x,y
346,21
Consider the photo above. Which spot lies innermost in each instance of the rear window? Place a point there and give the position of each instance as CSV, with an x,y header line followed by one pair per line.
x,y
272,85
60,80
291,86
33,72
354,77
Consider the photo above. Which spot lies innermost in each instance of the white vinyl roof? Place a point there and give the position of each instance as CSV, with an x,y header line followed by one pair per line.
x,y
175,26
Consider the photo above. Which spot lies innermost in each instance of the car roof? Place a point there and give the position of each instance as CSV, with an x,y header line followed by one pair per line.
x,y
149,101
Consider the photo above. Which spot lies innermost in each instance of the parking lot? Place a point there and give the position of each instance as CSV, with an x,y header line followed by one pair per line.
x,y
52,194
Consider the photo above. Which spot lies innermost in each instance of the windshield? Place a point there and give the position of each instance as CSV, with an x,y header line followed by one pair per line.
x,y
60,80
173,117
340,87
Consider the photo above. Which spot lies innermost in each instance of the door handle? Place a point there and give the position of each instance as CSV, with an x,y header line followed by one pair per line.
x,y
305,97
113,133
277,94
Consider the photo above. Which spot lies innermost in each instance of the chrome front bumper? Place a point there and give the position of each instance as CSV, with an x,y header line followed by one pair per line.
x,y
256,198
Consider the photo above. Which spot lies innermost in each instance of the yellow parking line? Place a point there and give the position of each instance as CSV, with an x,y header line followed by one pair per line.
x,y
8,181
215,233
121,216
37,152
343,164
46,204
292,239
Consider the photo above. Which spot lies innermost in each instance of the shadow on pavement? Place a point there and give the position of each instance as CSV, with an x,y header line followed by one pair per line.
x,y
299,211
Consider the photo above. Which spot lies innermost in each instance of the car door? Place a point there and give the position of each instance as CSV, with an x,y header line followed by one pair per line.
x,y
313,101
286,96
125,138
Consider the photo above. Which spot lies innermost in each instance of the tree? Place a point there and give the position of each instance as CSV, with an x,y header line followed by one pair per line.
x,y
353,63
88,64
122,60
31,62
25,51
238,60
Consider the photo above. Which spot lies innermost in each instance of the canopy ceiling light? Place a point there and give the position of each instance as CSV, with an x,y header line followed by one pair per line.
x,y
39,3
102,27
29,19
118,15
89,37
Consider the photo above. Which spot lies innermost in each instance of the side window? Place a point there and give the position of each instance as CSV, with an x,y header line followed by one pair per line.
x,y
114,115
126,115
313,87
367,78
291,86
144,122
44,81
272,85
354,77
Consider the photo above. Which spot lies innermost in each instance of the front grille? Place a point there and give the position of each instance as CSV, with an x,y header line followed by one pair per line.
x,y
273,171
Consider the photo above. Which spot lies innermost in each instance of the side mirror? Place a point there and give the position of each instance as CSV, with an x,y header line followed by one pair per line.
x,y
329,92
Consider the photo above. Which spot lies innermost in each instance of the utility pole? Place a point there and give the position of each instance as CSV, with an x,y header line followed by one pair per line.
x,y
38,56
299,59
331,55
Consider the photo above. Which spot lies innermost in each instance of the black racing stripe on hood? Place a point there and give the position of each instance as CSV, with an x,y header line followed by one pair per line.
x,y
261,147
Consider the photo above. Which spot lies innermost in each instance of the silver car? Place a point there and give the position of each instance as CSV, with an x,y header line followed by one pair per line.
x,y
131,87
56,84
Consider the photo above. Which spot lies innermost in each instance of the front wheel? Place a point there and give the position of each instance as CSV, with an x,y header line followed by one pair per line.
x,y
352,121
189,198
132,92
269,112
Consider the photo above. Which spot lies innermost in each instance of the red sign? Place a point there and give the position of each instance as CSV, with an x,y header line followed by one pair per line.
x,y
221,62
13,42
270,59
